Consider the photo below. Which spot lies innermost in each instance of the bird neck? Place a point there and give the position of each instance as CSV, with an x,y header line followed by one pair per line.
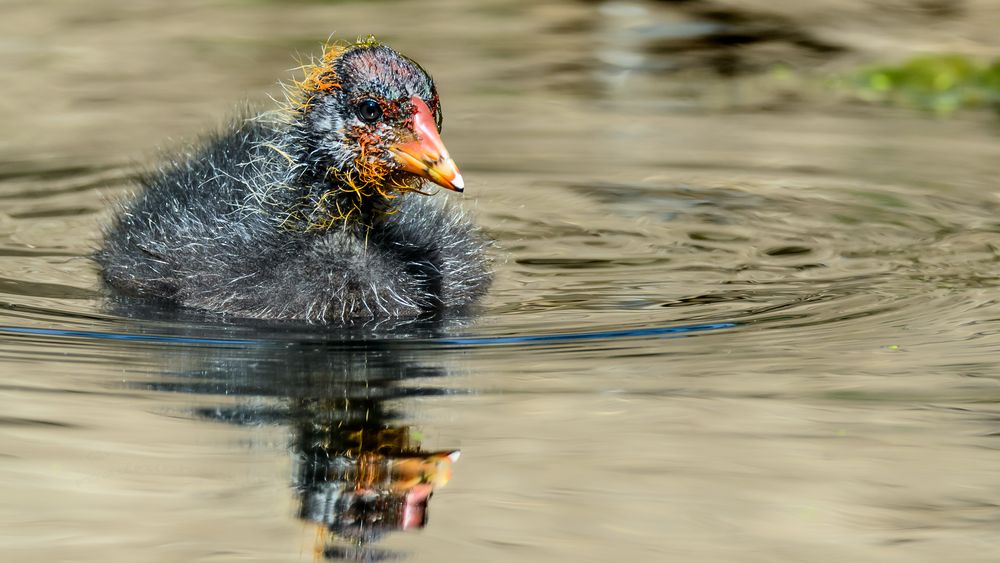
x,y
324,195
332,198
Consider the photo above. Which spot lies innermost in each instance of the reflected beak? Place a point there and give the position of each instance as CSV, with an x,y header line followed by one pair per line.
x,y
426,156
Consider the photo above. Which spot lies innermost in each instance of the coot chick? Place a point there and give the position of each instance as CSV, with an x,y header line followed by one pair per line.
x,y
315,211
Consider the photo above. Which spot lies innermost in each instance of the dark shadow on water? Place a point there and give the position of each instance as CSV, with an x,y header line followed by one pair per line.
x,y
149,321
158,315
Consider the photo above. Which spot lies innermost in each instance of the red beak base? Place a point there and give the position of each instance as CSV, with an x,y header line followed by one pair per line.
x,y
426,156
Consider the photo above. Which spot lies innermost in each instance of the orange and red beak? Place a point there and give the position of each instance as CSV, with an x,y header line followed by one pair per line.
x,y
426,156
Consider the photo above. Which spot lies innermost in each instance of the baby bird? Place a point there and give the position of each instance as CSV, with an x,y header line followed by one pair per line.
x,y
316,211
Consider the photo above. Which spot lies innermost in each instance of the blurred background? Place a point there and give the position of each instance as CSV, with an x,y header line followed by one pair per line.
x,y
746,305
134,74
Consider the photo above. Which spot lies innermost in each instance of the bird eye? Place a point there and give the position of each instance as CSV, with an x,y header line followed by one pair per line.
x,y
369,110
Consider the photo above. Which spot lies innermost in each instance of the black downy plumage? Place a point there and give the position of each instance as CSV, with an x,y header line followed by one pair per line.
x,y
310,211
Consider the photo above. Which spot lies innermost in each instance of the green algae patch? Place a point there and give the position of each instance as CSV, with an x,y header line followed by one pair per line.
x,y
941,84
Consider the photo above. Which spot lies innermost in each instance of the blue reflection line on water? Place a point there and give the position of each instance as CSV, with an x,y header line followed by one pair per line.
x,y
625,333
118,336
470,341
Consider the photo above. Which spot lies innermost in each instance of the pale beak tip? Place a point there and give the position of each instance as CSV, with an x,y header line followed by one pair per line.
x,y
458,182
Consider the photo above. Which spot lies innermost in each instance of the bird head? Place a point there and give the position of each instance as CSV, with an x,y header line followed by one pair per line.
x,y
372,118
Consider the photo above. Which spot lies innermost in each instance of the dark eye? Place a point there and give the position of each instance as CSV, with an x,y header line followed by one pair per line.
x,y
369,110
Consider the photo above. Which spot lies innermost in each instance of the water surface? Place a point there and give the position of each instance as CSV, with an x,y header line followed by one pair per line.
x,y
721,330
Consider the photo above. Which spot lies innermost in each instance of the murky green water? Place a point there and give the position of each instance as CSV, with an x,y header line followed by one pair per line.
x,y
722,329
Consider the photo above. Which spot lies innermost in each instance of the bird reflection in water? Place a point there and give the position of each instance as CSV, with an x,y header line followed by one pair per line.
x,y
358,470
359,476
